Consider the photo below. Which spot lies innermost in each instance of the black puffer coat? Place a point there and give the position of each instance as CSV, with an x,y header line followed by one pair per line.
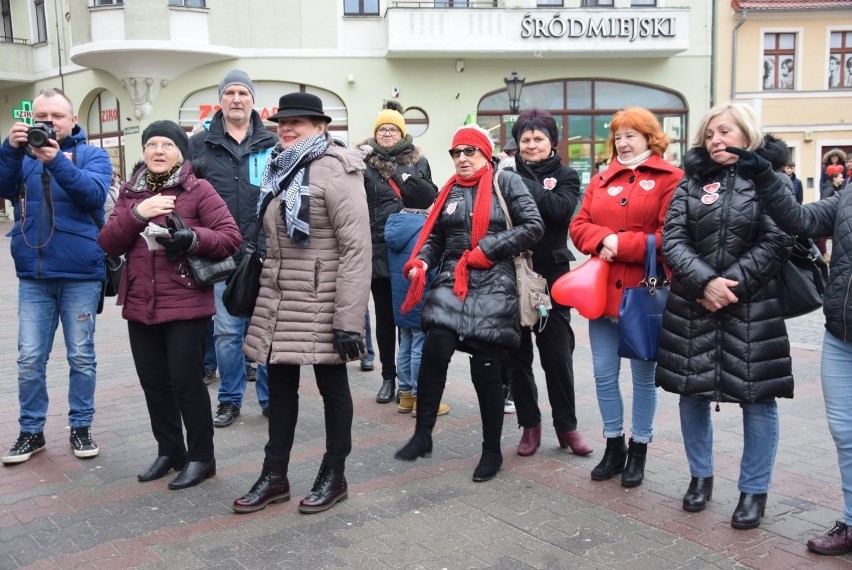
x,y
382,201
715,226
490,312
831,216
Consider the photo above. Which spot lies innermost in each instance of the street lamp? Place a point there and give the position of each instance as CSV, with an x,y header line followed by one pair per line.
x,y
514,86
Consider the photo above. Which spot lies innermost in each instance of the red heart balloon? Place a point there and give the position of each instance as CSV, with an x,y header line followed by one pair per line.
x,y
584,288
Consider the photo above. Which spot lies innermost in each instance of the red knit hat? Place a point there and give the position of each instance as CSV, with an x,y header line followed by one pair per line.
x,y
474,135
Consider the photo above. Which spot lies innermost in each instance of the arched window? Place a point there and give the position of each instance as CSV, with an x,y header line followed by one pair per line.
x,y
103,128
582,109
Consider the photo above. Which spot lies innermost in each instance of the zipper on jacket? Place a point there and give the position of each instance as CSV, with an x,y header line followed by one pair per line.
x,y
726,202
845,311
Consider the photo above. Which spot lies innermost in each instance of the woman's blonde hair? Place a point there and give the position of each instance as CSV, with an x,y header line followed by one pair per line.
x,y
743,115
642,121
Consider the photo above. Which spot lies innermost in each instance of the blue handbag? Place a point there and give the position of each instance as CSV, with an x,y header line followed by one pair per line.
x,y
640,314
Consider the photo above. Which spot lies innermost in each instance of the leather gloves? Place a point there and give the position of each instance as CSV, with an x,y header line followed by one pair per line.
x,y
181,240
348,345
750,164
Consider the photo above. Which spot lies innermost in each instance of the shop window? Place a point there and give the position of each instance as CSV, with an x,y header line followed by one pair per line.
x,y
6,12
840,61
779,61
361,7
550,3
639,3
597,3
41,22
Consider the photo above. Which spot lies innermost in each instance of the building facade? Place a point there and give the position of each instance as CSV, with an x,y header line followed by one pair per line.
x,y
791,60
125,64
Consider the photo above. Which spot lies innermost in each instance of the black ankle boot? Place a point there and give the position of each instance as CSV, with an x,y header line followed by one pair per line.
x,y
386,392
271,487
613,459
418,446
699,492
749,510
489,464
329,489
634,471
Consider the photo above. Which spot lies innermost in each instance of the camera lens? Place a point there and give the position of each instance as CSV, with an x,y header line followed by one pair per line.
x,y
37,138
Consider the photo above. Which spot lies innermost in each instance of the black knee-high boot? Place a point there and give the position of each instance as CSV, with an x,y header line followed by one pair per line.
x,y
485,373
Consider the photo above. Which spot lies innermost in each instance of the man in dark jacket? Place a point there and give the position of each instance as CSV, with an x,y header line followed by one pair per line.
x,y
798,191
58,185
234,148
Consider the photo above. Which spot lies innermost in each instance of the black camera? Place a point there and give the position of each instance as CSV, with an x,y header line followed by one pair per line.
x,y
40,133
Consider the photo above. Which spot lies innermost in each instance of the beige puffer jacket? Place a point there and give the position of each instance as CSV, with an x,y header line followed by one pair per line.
x,y
306,292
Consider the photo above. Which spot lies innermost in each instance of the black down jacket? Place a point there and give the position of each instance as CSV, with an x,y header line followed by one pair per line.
x,y
490,312
715,226
831,216
382,201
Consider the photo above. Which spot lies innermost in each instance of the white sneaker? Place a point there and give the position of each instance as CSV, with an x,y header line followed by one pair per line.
x,y
508,407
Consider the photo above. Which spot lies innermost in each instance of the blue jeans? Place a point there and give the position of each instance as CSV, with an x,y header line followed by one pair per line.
x,y
760,441
209,350
368,333
837,391
229,333
408,357
603,337
42,304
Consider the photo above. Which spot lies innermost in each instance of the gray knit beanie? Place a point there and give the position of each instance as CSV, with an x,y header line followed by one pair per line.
x,y
236,77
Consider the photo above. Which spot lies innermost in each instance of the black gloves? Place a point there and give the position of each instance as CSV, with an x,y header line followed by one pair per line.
x,y
181,240
750,164
348,344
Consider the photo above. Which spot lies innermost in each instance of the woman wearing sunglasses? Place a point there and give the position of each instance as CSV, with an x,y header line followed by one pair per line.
x,y
472,305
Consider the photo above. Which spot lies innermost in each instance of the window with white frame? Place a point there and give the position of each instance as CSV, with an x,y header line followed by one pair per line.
x,y
361,7
41,22
597,3
550,3
6,12
189,3
840,61
779,61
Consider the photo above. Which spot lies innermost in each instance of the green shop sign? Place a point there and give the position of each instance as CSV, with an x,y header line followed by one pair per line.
x,y
25,113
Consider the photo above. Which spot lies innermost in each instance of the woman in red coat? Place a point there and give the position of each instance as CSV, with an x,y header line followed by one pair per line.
x,y
166,311
621,206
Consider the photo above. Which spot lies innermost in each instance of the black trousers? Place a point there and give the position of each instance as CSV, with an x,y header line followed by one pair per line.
x,y
333,383
385,327
556,350
485,363
169,360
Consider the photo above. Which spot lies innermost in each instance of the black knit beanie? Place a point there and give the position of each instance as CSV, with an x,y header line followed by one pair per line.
x,y
171,131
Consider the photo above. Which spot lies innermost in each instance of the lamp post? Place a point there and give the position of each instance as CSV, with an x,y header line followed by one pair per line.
x,y
514,86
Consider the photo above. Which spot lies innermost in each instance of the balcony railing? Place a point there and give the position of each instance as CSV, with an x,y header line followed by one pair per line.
x,y
445,4
6,40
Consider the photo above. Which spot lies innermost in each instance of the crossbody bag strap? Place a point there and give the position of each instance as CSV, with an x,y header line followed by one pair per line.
x,y
502,201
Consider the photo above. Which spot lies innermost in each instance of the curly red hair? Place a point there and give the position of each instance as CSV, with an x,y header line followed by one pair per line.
x,y
642,121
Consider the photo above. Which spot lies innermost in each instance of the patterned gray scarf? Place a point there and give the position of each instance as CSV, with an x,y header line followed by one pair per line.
x,y
295,206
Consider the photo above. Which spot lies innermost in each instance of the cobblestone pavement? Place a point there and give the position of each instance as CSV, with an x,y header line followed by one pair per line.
x,y
540,512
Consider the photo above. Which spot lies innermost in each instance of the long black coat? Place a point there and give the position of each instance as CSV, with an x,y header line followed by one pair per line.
x,y
556,190
716,227
489,313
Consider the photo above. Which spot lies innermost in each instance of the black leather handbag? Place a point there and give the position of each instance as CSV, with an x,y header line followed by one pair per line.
x,y
802,280
640,315
206,271
243,285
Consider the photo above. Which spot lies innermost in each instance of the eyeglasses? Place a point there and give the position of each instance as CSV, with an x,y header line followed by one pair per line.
x,y
388,131
469,151
166,146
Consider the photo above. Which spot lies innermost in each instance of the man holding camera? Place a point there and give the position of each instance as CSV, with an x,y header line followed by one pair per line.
x,y
57,183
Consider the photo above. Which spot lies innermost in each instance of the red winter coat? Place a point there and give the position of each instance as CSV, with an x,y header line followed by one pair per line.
x,y
153,288
631,203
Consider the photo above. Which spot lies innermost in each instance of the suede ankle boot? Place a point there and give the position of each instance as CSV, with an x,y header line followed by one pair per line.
x,y
613,459
489,464
634,471
418,446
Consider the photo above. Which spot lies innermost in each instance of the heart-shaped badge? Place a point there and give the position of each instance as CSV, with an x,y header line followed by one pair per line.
x,y
451,208
550,183
614,190
712,188
709,198
647,185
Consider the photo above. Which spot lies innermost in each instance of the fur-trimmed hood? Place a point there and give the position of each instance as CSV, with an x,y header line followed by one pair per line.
x,y
383,166
827,156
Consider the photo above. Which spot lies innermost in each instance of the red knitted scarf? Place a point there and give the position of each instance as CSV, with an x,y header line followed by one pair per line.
x,y
482,179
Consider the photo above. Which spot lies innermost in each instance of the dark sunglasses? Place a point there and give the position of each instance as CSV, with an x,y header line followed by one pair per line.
x,y
469,151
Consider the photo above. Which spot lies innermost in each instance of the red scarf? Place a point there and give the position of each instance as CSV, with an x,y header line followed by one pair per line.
x,y
483,179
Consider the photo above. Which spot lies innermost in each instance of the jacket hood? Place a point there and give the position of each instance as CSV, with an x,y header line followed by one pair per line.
x,y
698,163
401,227
827,156
775,151
386,168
